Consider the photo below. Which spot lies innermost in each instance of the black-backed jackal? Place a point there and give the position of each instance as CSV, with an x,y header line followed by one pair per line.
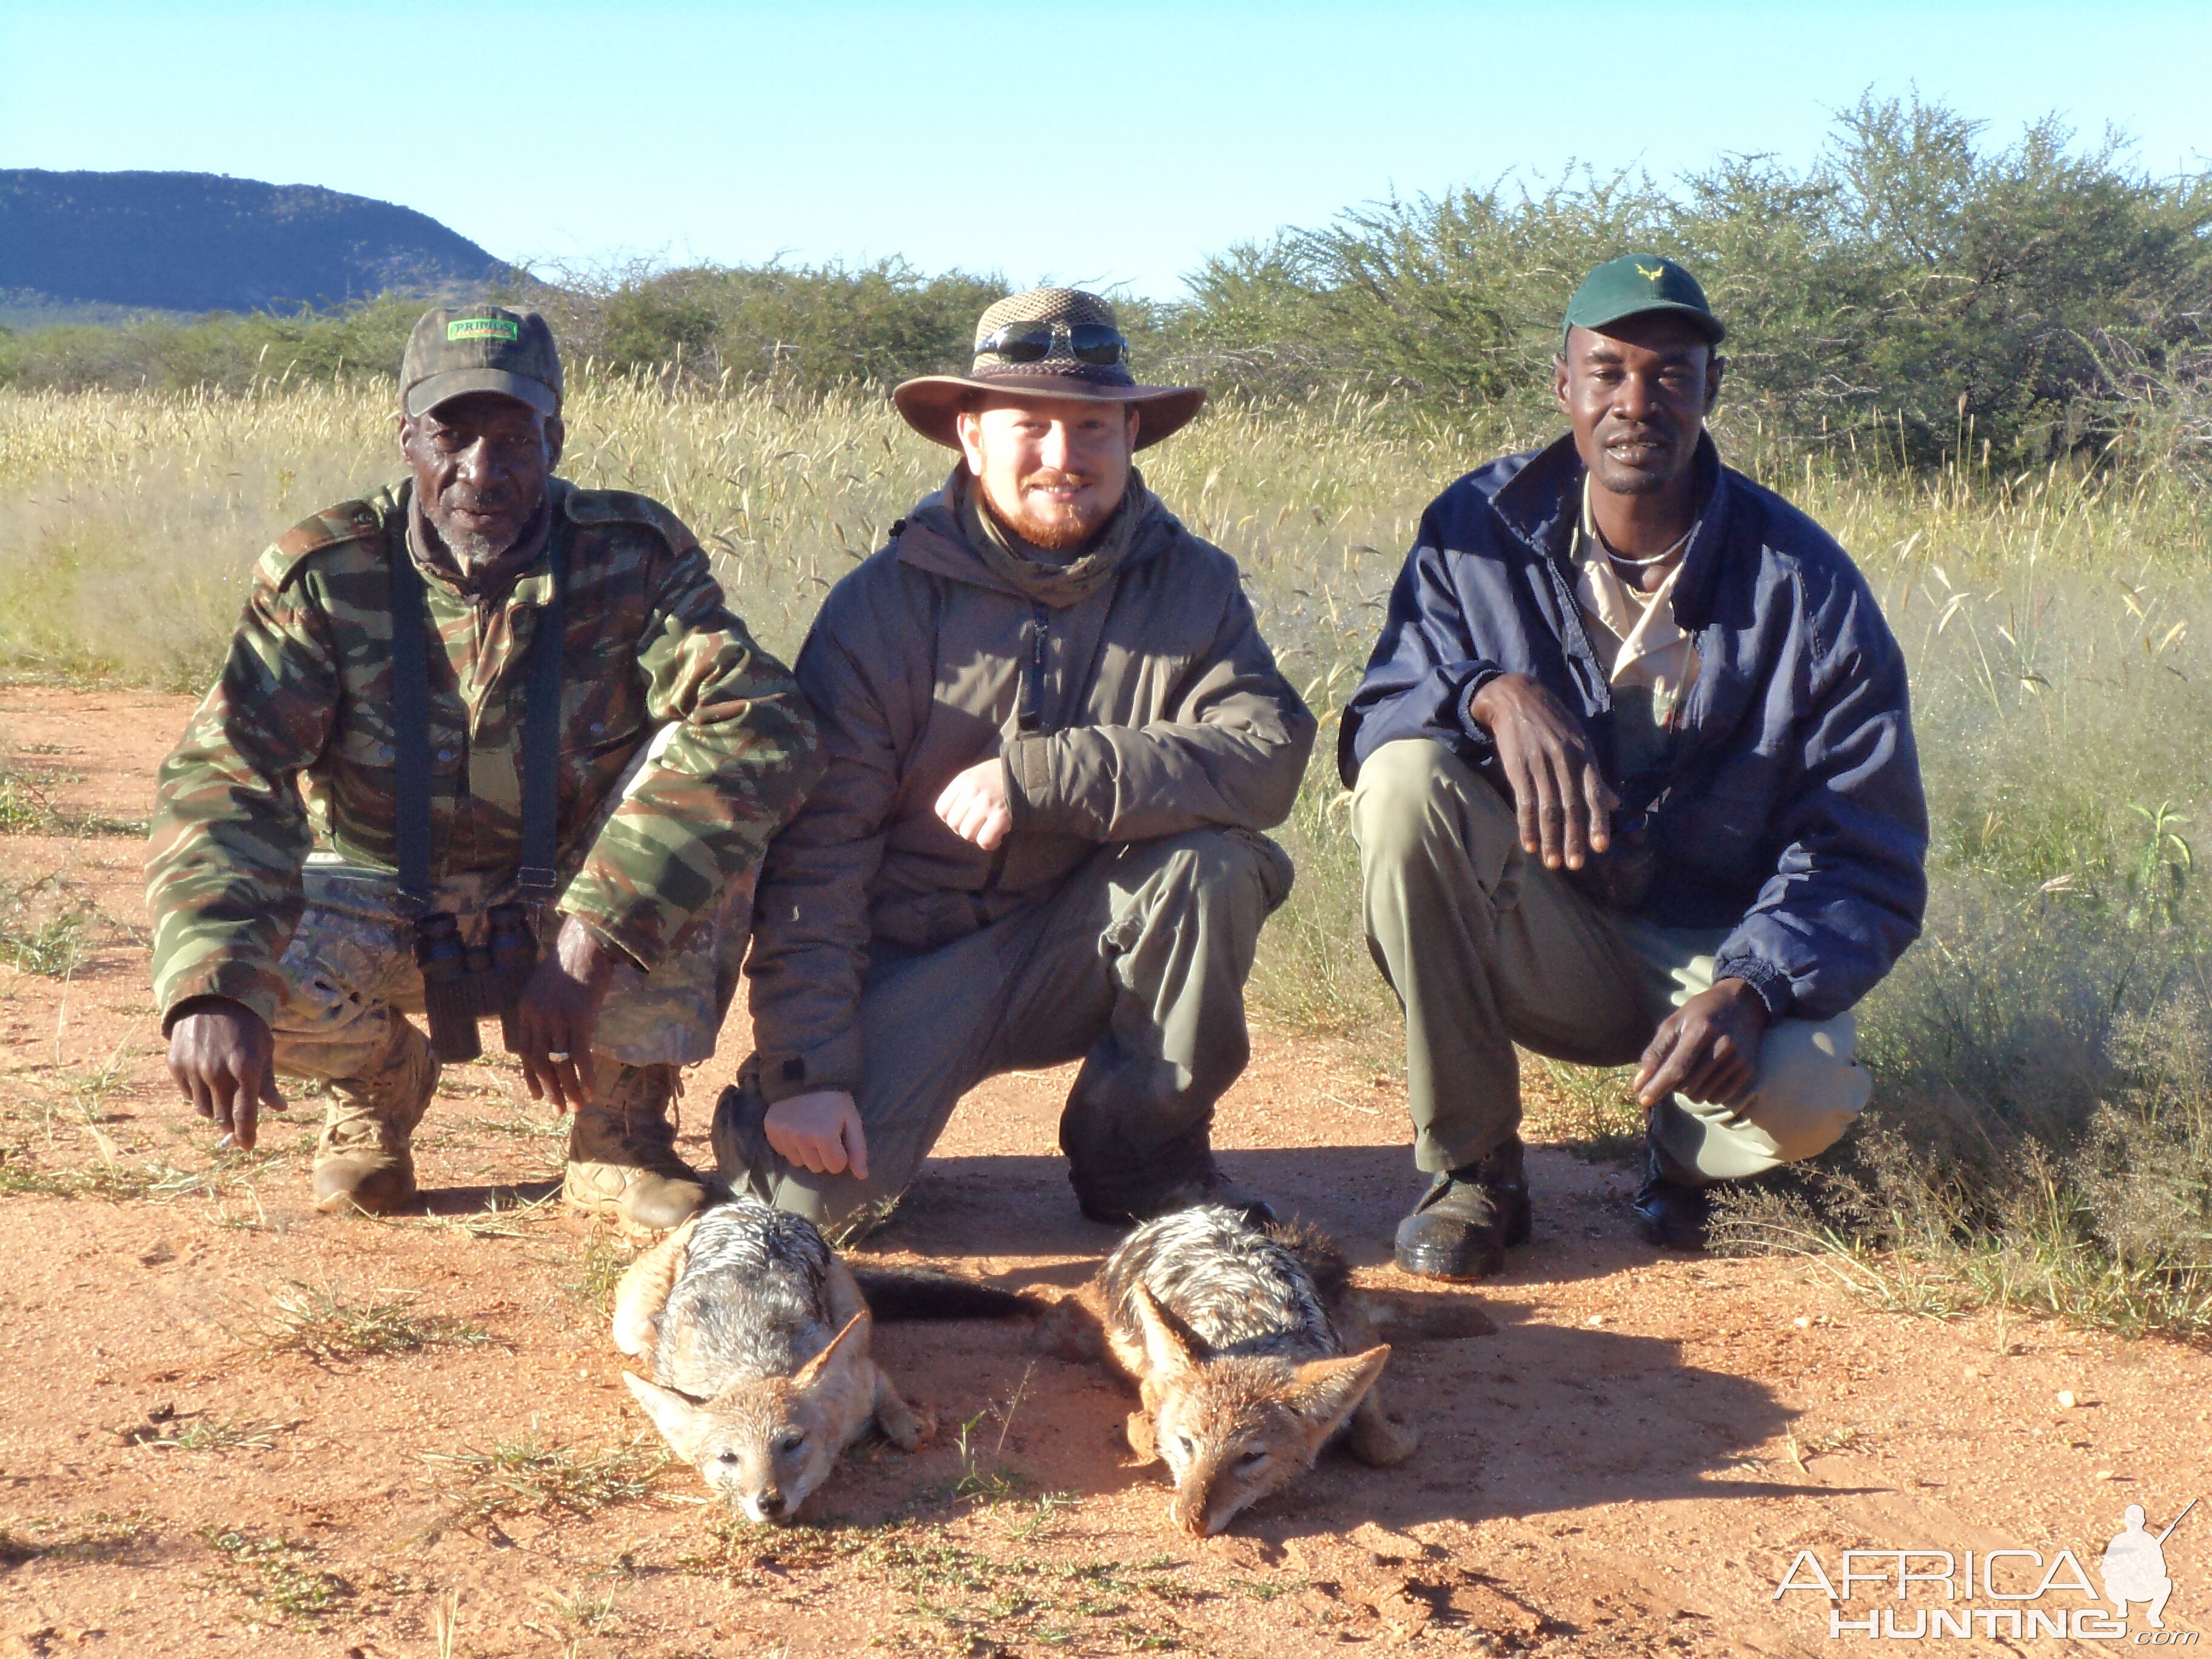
x,y
757,1339
1249,1348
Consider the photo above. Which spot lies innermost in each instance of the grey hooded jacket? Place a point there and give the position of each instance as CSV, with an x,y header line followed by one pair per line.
x,y
1153,706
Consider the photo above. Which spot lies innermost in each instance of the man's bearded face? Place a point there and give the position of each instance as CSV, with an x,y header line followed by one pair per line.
x,y
1053,468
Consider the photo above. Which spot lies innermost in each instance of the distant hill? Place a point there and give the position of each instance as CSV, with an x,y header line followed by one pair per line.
x,y
196,241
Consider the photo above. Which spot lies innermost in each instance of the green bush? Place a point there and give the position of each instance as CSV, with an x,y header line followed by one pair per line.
x,y
1913,290
225,350
812,327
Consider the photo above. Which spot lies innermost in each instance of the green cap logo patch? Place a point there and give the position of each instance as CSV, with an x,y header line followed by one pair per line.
x,y
483,328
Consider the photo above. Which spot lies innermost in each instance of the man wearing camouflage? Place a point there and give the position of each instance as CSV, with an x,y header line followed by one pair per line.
x,y
284,940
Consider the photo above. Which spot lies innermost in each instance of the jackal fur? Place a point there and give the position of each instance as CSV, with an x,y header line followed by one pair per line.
x,y
1250,1351
757,1339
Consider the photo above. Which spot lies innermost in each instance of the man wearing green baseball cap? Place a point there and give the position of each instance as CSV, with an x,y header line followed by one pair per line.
x,y
1634,782
485,742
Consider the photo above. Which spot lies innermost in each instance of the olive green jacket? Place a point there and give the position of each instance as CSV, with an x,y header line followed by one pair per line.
x,y
292,750
1161,711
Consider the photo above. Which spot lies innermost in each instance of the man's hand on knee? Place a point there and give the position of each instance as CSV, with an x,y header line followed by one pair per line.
x,y
819,1132
1708,1049
1561,800
975,805
224,1059
558,1012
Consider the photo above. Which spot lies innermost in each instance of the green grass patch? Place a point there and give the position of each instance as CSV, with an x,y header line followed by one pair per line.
x,y
533,1476
601,1261
321,1324
280,1576
167,1430
99,1536
27,807
42,929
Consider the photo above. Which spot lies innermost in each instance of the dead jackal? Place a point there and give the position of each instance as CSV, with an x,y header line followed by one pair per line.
x,y
758,1342
1237,1338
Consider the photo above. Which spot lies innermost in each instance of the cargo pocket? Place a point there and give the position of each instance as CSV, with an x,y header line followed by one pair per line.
x,y
1278,873
332,979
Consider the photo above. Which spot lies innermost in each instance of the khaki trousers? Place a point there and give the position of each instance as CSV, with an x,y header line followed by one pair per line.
x,y
1136,965
1486,949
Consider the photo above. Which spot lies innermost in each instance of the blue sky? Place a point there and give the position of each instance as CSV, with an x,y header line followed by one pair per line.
x,y
1099,144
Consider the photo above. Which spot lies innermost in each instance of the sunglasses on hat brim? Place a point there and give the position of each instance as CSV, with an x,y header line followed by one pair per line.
x,y
1032,343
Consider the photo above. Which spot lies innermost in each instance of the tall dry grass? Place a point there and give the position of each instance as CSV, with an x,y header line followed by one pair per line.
x,y
2041,1130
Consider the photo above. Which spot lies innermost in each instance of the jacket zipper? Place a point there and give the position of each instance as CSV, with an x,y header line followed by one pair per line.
x,y
1029,714
1028,711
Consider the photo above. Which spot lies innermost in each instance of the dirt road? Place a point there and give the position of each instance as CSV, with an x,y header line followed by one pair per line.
x,y
1630,1464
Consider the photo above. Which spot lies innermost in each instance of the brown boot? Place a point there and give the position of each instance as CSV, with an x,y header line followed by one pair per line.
x,y
363,1163
622,1151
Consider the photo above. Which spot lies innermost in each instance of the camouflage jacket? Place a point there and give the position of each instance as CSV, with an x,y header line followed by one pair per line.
x,y
291,751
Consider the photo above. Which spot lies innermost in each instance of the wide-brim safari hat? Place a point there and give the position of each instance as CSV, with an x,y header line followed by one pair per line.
x,y
931,402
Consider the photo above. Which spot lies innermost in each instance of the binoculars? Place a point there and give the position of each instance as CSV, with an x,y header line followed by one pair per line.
x,y
462,983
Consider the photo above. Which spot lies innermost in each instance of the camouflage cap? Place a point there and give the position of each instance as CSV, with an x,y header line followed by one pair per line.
x,y
932,404
480,348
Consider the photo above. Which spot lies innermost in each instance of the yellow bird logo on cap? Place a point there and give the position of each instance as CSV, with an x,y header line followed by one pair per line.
x,y
1652,274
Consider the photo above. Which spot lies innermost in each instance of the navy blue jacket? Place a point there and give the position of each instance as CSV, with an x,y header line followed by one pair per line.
x,y
1791,812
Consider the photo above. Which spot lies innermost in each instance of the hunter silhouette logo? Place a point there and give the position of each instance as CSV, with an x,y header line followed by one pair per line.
x,y
2135,1565
1653,275
2012,1593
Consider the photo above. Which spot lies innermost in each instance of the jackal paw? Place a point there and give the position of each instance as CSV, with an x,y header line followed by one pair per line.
x,y
1138,1429
907,1428
1377,1441
1070,1331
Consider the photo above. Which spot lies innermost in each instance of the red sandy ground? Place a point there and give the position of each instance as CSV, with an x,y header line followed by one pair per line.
x,y
1628,1465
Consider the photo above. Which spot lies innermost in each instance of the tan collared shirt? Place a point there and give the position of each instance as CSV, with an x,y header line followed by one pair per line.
x,y
1653,662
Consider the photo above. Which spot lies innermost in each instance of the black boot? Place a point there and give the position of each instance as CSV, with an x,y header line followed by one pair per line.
x,y
1670,1213
1465,1221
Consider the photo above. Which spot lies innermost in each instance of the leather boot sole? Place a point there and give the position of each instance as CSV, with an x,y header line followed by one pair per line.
x,y
648,1201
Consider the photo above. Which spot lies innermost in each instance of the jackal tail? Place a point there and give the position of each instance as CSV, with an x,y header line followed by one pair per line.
x,y
923,1294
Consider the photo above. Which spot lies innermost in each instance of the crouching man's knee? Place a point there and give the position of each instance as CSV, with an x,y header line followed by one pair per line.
x,y
1810,1088
1811,1085
844,1208
1417,804
1236,875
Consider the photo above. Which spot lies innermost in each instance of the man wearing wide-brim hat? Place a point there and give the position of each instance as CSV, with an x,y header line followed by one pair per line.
x,y
1634,782
1054,737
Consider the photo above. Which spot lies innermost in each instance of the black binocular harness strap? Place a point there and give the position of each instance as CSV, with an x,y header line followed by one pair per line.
x,y
411,736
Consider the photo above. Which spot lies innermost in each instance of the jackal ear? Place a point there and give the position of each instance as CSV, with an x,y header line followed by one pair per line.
x,y
1325,1392
1164,1347
846,1349
679,1419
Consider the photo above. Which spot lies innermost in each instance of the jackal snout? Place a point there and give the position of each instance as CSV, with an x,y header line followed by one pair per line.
x,y
761,1447
1234,1430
